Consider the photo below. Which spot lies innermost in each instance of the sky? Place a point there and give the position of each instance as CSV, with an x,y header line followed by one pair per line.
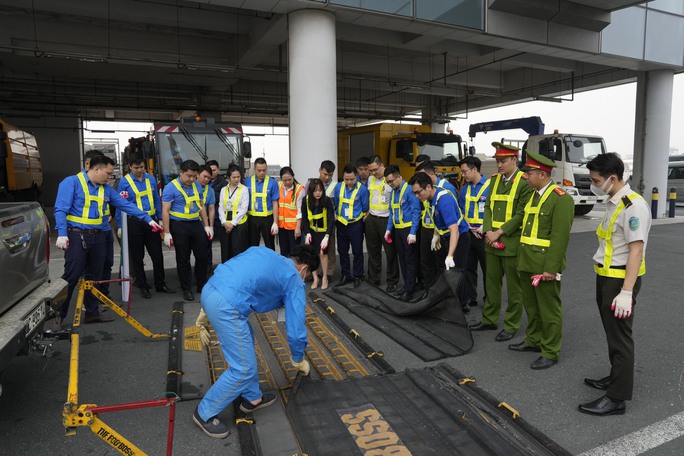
x,y
609,113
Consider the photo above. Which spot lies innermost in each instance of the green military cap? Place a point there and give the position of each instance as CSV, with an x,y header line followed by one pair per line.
x,y
505,150
537,161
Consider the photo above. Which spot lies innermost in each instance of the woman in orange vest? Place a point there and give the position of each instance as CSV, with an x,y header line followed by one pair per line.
x,y
289,211
318,214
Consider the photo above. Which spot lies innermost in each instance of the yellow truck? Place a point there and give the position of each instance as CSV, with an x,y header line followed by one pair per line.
x,y
400,144
21,173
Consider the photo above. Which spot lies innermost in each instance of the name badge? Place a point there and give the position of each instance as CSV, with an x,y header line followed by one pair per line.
x,y
480,206
384,199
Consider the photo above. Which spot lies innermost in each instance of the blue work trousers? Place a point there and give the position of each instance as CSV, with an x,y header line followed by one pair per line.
x,y
350,234
237,342
84,257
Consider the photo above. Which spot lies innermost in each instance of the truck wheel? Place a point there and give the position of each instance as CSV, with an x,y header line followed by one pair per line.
x,y
584,209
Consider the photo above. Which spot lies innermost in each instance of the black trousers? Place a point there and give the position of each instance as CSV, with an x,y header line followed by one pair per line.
x,y
375,228
428,259
460,259
346,235
618,336
84,257
235,242
408,258
260,227
141,237
287,241
190,237
476,254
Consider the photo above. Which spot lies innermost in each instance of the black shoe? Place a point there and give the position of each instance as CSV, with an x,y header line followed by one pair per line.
x,y
165,289
603,406
98,319
420,286
266,400
188,296
398,292
146,293
406,296
213,428
483,327
345,280
523,347
357,282
504,336
600,384
472,303
391,288
543,363
466,308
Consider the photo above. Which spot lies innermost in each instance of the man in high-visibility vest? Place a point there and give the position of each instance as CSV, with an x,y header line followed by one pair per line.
x,y
79,217
375,225
402,228
140,188
186,226
351,205
473,200
209,200
619,264
508,194
263,206
547,219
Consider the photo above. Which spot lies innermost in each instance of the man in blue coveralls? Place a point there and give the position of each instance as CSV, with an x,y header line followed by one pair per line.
x,y
257,280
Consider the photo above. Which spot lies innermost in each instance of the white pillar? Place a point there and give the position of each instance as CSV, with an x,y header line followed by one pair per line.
x,y
313,91
652,134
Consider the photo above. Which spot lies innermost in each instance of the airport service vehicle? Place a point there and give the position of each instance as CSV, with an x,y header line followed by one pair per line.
x,y
570,151
29,296
21,173
400,144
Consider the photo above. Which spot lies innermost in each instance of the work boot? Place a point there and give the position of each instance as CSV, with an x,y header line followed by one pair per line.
x,y
213,428
266,400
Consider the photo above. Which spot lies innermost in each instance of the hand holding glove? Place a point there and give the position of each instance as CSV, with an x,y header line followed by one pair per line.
x,y
62,242
303,366
168,240
274,229
156,227
388,237
436,243
203,323
325,242
449,263
622,304
411,239
308,239
210,232
124,194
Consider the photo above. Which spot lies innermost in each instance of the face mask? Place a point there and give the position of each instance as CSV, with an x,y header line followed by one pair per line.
x,y
602,190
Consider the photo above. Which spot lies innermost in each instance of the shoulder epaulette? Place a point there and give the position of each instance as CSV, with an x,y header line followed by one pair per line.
x,y
523,176
495,174
626,201
560,191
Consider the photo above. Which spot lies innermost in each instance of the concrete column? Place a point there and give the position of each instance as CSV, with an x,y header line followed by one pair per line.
x,y
652,134
313,91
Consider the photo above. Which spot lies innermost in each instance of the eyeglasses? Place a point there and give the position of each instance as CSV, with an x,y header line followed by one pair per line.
x,y
372,170
389,182
418,192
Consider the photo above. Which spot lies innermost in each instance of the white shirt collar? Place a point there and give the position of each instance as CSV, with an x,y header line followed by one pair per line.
x,y
615,199
542,190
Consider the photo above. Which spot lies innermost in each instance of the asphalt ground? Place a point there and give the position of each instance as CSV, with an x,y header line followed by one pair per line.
x,y
117,364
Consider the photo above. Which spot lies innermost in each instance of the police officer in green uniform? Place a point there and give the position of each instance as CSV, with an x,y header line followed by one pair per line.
x,y
547,220
619,264
508,194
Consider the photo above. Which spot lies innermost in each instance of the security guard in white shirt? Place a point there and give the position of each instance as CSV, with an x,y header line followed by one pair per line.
x,y
619,264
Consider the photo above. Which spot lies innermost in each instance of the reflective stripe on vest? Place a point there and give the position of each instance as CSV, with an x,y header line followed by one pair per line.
x,y
314,217
426,213
532,239
205,192
432,211
138,194
234,204
263,195
476,219
190,201
287,209
607,234
350,207
376,191
397,215
494,196
89,199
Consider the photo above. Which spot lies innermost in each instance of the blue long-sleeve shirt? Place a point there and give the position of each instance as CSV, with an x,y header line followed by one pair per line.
x,y
71,200
445,184
260,280
446,212
476,208
361,201
141,186
409,208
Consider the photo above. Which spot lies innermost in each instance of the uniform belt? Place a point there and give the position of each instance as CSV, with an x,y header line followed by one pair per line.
x,y
87,231
611,267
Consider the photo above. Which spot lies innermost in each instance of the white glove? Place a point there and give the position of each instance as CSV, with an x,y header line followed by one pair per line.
x,y
210,232
303,366
124,194
411,239
62,242
622,304
449,263
436,243
168,240
118,233
324,242
308,239
274,229
156,227
203,323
